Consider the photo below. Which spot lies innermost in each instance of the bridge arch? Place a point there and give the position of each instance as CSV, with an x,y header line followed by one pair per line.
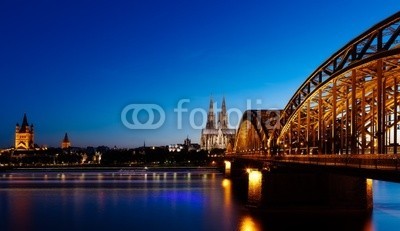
x,y
255,130
349,104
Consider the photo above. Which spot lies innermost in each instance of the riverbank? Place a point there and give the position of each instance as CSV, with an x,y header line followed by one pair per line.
x,y
112,169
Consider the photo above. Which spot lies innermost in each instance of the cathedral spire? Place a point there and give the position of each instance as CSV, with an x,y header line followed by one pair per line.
x,y
223,105
211,116
223,118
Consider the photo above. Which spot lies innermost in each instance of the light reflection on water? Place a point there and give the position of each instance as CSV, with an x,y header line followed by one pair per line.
x,y
247,223
152,201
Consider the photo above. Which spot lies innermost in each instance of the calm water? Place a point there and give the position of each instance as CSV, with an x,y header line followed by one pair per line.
x,y
158,201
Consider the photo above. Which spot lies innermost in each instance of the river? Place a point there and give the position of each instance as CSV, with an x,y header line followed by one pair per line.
x,y
170,200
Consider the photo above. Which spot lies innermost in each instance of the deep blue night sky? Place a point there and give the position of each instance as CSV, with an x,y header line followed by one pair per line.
x,y
72,66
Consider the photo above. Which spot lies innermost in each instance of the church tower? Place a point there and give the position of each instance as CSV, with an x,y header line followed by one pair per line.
x,y
223,117
65,143
24,135
211,116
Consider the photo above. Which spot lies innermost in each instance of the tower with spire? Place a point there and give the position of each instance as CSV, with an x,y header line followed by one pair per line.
x,y
217,135
222,116
65,142
211,116
24,135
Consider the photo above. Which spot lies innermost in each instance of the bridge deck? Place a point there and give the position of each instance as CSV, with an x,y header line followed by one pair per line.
x,y
382,167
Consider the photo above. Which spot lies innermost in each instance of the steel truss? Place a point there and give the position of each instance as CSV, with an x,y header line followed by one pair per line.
x,y
348,105
256,127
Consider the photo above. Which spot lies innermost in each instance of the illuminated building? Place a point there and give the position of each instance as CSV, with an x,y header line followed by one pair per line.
x,y
65,143
217,134
175,147
187,145
24,135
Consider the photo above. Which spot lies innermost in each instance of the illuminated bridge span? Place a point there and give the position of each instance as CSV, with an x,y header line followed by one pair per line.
x,y
348,105
319,151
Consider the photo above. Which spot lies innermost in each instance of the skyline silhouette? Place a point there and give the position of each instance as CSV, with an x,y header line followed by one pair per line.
x,y
73,66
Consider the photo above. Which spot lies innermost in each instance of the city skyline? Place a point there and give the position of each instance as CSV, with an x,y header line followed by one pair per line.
x,y
74,67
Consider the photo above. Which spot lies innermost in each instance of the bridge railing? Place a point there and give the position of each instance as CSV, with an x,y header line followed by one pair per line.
x,y
355,161
366,161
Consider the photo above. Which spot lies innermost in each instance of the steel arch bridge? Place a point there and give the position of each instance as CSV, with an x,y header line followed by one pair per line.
x,y
348,105
256,128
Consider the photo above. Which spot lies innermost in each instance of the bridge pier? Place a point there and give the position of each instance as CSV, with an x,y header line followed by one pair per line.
x,y
281,189
316,190
228,166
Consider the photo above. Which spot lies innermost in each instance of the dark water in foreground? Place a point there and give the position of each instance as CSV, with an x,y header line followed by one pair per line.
x,y
192,201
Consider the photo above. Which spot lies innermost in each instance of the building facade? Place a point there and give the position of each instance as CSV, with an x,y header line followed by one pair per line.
x,y
217,134
24,135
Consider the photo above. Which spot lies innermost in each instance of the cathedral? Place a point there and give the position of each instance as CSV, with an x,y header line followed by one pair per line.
x,y
217,134
24,135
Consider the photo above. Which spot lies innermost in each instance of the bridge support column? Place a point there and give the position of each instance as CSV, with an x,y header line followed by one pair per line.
x,y
380,109
395,118
334,107
303,190
228,167
291,188
354,112
320,123
298,189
